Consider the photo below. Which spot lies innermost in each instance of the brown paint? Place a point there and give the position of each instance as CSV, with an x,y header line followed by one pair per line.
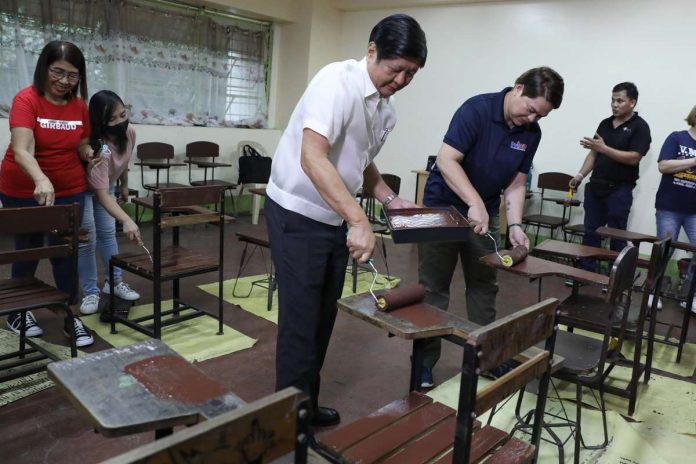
x,y
172,377
421,315
400,297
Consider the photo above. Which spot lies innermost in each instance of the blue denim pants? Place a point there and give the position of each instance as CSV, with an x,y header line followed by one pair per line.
x,y
102,240
610,211
670,222
62,267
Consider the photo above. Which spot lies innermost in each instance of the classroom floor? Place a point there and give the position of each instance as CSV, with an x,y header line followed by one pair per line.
x,y
364,368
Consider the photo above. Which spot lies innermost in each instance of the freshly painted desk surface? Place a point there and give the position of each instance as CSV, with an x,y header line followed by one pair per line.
x,y
411,323
633,237
533,267
118,403
418,322
573,250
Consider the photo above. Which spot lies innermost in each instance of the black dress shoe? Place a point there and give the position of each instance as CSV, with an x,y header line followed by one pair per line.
x,y
325,417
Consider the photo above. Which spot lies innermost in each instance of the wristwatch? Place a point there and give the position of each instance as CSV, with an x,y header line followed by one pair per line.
x,y
388,199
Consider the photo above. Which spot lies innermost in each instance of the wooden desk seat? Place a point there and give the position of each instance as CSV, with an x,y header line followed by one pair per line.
x,y
176,261
534,268
417,323
414,430
418,430
148,203
634,237
573,251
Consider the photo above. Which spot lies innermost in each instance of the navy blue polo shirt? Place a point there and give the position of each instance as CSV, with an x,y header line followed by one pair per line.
x,y
493,152
632,135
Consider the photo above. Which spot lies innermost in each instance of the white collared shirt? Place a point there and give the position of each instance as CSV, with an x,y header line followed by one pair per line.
x,y
342,104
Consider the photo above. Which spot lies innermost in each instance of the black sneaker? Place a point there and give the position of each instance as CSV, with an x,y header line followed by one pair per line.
x,y
14,323
83,336
499,371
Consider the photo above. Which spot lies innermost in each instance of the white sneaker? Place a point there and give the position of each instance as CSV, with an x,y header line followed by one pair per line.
x,y
83,336
14,322
90,304
693,305
659,302
123,291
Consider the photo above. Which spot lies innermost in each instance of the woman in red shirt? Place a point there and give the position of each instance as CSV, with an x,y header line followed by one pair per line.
x,y
49,127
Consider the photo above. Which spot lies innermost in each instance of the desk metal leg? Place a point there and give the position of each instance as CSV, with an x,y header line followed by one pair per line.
x,y
417,364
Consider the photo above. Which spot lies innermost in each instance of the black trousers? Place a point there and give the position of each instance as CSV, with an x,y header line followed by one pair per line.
x,y
310,260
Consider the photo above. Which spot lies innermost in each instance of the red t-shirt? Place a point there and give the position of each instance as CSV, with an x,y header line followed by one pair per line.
x,y
57,134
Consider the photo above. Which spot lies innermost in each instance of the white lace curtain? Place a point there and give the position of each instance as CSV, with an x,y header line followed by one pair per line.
x,y
172,65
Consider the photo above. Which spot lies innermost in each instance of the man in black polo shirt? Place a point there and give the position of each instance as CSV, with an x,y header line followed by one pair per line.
x,y
616,149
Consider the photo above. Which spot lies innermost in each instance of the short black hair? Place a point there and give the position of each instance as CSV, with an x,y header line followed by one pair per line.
x,y
543,82
400,36
629,87
55,51
101,107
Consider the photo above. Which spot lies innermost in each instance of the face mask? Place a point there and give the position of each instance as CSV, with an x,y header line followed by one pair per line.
x,y
118,131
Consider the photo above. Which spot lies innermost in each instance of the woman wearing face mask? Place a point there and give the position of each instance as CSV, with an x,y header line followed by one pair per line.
x,y
114,138
49,129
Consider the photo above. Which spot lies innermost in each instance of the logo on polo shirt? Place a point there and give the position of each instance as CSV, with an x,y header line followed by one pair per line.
x,y
686,152
627,129
58,124
519,146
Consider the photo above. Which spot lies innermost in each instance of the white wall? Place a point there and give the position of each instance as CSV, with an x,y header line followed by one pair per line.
x,y
593,44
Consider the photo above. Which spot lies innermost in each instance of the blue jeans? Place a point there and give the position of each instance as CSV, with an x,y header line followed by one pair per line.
x,y
611,211
670,222
62,267
102,239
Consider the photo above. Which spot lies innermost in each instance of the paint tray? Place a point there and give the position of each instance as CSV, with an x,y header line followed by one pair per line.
x,y
426,224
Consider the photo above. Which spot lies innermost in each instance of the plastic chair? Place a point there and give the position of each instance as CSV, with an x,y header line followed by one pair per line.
x,y
255,199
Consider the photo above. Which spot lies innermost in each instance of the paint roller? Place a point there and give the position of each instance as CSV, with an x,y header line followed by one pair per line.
x,y
511,257
401,297
397,297
508,258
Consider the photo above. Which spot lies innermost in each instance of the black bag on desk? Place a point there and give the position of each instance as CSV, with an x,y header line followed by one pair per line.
x,y
254,168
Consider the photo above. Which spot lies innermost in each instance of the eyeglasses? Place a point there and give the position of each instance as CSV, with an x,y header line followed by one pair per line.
x,y
58,74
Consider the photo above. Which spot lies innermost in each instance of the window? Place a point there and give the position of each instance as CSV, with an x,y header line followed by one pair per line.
x,y
171,63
